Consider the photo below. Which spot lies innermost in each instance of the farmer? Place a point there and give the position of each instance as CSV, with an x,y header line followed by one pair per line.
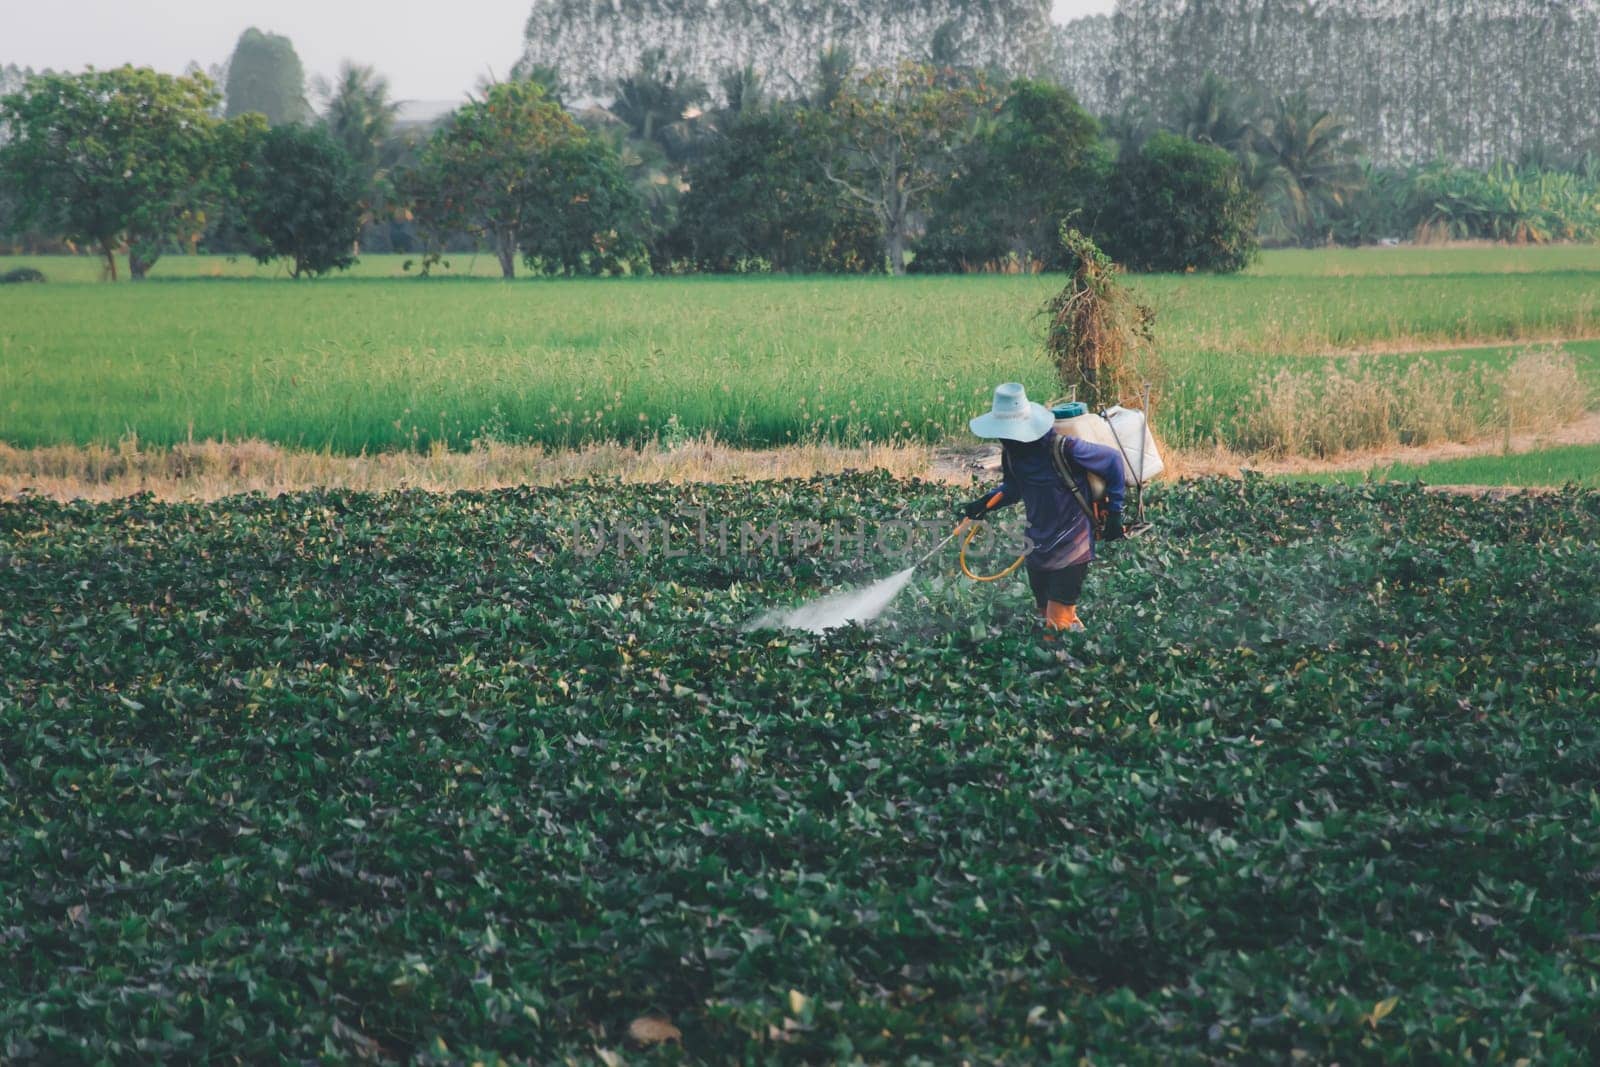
x,y
1035,462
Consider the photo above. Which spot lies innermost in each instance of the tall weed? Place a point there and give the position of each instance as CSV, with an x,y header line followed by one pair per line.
x,y
1357,405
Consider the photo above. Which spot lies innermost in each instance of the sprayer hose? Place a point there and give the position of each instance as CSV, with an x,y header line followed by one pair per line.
x,y
1008,572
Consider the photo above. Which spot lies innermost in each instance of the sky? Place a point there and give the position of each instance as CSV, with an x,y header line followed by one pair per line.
x,y
429,50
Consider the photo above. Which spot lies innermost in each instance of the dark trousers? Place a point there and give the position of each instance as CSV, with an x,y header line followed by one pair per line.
x,y
1062,586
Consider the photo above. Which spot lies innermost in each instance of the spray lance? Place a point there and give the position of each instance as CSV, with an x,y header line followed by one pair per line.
x,y
970,527
863,604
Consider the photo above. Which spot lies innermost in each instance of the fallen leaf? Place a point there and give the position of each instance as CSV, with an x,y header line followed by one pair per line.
x,y
1380,1010
653,1030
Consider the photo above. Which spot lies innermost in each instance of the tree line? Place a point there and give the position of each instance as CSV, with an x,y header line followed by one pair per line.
x,y
1469,82
915,167
919,167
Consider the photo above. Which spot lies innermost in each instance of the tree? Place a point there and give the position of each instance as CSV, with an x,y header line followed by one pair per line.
x,y
1039,162
1127,130
1216,114
1177,205
657,182
660,106
585,217
760,194
360,117
547,78
1312,167
265,77
831,77
743,91
514,170
13,78
300,197
112,158
901,131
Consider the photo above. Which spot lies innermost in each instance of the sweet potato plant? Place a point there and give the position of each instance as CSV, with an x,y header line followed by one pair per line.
x,y
415,777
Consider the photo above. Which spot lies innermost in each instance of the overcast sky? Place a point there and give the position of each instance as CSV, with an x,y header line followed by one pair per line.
x,y
431,50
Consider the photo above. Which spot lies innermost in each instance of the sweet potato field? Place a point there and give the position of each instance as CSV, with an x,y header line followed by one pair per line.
x,y
453,778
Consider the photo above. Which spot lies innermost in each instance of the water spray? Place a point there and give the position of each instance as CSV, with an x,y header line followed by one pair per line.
x,y
868,602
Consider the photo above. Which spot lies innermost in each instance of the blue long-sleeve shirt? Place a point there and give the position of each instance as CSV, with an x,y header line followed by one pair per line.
x,y
1060,534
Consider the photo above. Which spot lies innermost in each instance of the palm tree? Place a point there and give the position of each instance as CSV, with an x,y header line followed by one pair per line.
x,y
360,115
547,78
1217,114
832,74
743,89
660,106
1311,165
1127,130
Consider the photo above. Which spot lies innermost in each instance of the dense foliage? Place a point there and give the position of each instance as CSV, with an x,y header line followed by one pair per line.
x,y
1469,81
899,134
333,776
1039,162
265,77
1179,205
596,43
300,199
126,157
760,198
676,175
515,170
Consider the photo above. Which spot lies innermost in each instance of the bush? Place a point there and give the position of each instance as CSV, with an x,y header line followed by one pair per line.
x,y
1518,205
1176,205
21,274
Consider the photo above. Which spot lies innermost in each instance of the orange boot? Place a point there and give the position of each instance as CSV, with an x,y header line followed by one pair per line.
x,y
1061,616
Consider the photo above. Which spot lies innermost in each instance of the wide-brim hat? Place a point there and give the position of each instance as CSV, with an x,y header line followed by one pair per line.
x,y
1013,417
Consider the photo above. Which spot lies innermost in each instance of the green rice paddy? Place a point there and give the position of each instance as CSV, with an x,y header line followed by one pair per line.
x,y
379,360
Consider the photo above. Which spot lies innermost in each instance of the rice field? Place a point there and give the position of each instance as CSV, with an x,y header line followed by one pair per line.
x,y
217,349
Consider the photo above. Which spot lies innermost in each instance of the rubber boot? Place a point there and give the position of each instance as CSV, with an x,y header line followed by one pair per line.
x,y
1062,616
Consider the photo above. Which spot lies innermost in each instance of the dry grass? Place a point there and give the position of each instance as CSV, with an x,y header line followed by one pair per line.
x,y
1221,461
1354,408
1100,337
209,470
214,470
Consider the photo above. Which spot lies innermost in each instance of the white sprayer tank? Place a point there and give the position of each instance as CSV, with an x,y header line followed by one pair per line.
x,y
1125,431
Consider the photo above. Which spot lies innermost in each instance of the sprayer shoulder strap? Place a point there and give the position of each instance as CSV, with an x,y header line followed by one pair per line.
x,y
1069,471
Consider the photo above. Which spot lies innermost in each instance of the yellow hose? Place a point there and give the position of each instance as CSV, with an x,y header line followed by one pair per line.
x,y
1008,572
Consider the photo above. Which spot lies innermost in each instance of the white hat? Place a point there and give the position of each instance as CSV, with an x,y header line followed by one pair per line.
x,y
1013,417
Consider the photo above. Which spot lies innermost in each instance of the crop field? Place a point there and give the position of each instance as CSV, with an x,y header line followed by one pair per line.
x,y
379,361
333,776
